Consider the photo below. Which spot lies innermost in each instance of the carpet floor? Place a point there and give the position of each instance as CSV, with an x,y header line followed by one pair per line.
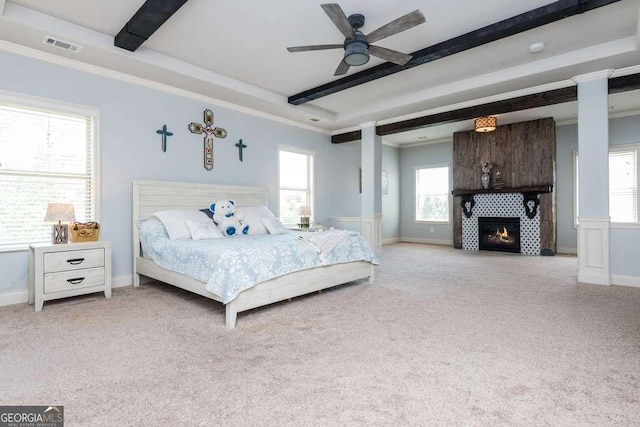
x,y
444,337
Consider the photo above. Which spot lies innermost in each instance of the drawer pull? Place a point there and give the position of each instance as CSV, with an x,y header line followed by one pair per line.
x,y
75,261
76,280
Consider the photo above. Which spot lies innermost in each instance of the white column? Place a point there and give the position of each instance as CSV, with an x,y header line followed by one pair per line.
x,y
593,182
371,184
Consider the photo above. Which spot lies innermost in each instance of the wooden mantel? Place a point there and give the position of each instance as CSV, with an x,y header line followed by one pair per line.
x,y
538,190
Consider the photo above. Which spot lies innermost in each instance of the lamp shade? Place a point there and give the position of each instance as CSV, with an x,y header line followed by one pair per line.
x,y
305,210
60,212
486,124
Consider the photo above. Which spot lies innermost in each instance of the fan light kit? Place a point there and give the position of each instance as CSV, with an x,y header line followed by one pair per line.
x,y
357,46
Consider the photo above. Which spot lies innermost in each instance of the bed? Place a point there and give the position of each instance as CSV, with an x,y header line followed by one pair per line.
x,y
153,196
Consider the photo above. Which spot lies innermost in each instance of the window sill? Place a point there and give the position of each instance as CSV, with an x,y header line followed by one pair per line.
x,y
432,222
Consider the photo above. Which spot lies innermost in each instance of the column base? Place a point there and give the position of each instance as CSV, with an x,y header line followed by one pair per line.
x,y
593,251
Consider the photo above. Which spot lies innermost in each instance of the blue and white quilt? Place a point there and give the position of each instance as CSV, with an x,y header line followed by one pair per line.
x,y
230,265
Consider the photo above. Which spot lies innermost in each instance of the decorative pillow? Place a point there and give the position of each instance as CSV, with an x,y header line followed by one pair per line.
x,y
274,226
253,216
174,221
208,212
201,230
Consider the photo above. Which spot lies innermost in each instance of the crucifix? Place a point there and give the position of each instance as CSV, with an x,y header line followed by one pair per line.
x,y
209,132
164,134
240,146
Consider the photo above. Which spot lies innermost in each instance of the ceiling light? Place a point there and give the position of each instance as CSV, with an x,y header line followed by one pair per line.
x,y
486,124
536,47
356,50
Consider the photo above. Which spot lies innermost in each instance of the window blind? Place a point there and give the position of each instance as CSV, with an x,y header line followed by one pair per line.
x,y
45,156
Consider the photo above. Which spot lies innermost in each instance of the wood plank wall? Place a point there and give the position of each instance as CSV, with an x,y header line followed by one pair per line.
x,y
524,153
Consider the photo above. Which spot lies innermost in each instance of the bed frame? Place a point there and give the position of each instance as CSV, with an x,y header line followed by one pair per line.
x,y
152,196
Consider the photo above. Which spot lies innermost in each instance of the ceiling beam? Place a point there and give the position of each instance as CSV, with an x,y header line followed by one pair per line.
x,y
536,100
520,23
151,15
624,83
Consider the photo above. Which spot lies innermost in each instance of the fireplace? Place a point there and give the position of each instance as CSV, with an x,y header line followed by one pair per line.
x,y
499,234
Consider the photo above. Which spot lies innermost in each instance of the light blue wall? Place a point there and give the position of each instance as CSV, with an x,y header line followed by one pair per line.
x,y
624,242
391,201
130,150
410,158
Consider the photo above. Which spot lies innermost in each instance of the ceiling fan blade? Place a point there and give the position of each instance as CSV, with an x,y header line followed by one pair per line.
x,y
403,23
336,14
314,47
389,55
342,69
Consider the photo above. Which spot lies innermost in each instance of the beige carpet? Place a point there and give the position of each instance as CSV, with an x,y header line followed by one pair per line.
x,y
444,338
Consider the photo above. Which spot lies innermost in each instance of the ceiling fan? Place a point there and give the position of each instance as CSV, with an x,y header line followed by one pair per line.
x,y
357,46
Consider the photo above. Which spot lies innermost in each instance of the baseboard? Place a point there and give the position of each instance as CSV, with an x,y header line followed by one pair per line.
x,y
12,298
567,250
20,297
445,242
121,282
390,240
631,281
594,279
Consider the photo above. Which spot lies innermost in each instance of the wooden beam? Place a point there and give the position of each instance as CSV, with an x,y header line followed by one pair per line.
x,y
520,23
346,137
542,99
151,15
624,83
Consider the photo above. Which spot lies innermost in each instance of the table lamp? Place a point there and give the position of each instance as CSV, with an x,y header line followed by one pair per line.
x,y
60,212
305,212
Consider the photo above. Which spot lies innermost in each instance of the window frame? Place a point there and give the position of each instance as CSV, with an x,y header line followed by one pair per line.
x,y
311,180
612,149
449,195
49,105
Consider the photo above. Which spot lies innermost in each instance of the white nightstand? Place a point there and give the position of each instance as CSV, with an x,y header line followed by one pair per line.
x,y
65,270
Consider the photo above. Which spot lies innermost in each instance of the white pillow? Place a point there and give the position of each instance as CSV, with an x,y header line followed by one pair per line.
x,y
174,221
201,230
253,217
274,226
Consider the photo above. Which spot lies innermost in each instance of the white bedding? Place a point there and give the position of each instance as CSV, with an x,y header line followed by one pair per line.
x,y
232,264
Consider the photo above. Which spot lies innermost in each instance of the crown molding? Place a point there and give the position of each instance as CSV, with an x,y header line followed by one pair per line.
x,y
426,142
391,144
626,71
596,75
117,75
367,124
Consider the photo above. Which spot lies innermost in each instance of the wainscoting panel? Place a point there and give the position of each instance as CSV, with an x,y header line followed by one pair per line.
x,y
593,251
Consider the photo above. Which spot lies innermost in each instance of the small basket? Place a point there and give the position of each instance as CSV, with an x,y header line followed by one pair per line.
x,y
84,232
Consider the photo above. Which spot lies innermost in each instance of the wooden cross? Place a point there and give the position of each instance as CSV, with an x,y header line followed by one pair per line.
x,y
240,146
209,132
164,134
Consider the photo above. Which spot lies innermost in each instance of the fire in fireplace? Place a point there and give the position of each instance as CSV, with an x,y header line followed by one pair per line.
x,y
499,234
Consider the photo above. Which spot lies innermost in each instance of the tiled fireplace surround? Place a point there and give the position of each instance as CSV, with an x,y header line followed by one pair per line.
x,y
502,205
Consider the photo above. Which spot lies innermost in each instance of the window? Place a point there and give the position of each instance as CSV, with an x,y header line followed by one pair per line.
x,y
46,155
295,184
623,184
432,194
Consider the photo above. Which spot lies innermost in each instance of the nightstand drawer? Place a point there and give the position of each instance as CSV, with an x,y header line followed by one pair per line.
x,y
66,280
73,260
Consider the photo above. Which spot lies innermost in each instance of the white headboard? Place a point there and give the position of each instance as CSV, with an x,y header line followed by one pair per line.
x,y
153,196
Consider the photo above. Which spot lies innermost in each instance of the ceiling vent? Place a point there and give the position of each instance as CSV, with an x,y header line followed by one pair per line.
x,y
61,44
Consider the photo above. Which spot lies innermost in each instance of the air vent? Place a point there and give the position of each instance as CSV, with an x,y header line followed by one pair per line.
x,y
313,119
61,44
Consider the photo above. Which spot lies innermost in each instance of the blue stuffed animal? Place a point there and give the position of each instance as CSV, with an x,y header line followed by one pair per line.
x,y
225,217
